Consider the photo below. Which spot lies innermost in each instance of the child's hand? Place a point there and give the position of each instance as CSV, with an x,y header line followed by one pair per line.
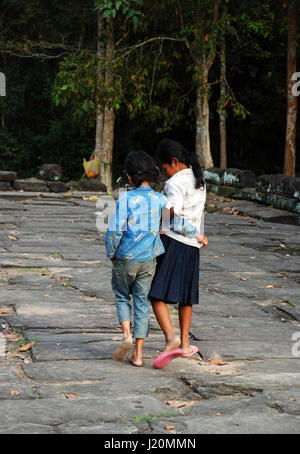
x,y
201,239
205,241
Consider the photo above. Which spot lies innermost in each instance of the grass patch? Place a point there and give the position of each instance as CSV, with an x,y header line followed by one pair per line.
x,y
20,343
143,419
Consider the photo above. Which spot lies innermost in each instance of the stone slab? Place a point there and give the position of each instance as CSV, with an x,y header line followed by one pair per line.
x,y
59,410
5,185
236,424
30,185
76,329
7,176
26,429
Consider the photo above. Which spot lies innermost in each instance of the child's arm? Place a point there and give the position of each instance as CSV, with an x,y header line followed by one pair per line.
x,y
183,227
114,232
175,222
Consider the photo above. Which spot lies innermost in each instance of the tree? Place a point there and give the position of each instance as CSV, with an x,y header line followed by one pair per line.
x,y
105,117
201,43
223,94
290,146
101,52
109,114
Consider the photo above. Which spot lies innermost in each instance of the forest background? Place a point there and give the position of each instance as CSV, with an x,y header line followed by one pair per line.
x,y
113,76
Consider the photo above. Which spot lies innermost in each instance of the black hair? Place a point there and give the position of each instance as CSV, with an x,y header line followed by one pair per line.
x,y
168,149
141,167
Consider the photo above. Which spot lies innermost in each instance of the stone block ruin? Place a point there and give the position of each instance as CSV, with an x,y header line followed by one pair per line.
x,y
278,191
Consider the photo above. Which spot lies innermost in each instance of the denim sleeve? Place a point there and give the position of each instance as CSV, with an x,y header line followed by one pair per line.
x,y
178,224
115,229
182,226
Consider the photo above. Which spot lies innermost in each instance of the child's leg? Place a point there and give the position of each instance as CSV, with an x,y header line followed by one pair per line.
x,y
122,351
137,354
121,288
141,304
185,316
163,317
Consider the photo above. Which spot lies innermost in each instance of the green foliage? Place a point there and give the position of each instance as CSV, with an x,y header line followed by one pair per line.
x,y
53,88
128,8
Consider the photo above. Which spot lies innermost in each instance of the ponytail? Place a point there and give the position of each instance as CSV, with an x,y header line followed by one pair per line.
x,y
193,161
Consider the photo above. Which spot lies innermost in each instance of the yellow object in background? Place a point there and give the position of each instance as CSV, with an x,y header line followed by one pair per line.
x,y
91,167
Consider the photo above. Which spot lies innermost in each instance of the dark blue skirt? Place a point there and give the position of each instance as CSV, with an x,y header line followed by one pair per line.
x,y
177,274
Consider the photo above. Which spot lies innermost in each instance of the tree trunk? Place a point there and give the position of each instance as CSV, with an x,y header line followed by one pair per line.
x,y
100,112
202,125
290,146
109,116
203,62
3,118
223,133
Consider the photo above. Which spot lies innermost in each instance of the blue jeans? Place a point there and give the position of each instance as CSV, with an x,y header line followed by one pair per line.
x,y
133,278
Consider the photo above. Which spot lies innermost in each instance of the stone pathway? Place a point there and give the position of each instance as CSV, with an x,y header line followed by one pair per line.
x,y
55,291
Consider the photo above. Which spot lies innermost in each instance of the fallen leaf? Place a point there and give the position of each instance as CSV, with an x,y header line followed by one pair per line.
x,y
10,237
71,396
274,286
175,403
292,399
218,362
243,279
169,427
219,414
25,347
14,392
3,311
15,354
13,337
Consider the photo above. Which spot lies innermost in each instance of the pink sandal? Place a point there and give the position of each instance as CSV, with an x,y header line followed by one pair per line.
x,y
166,357
193,352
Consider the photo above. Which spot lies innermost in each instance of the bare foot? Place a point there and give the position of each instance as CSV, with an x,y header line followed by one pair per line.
x,y
122,351
187,349
136,360
172,344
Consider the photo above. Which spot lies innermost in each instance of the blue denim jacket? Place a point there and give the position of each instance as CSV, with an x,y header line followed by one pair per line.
x,y
133,232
